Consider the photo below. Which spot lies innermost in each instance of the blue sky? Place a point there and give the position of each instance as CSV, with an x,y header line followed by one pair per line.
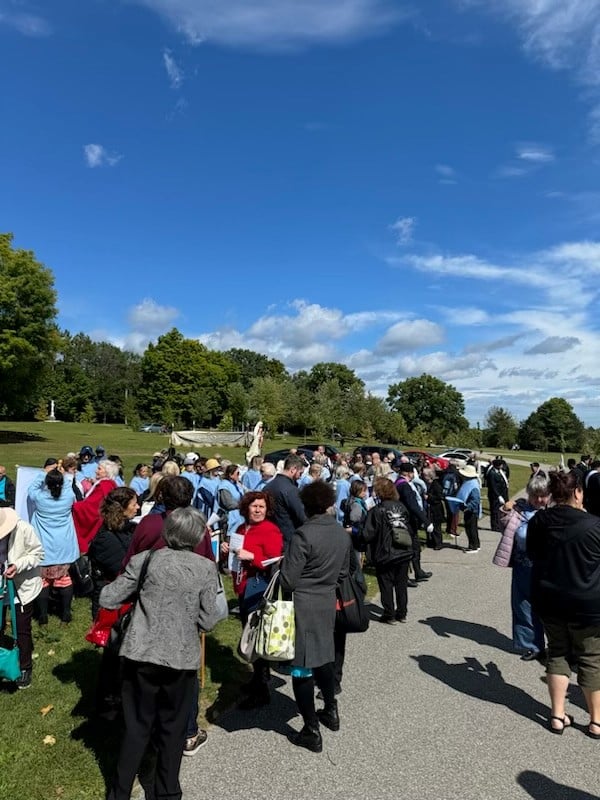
x,y
402,187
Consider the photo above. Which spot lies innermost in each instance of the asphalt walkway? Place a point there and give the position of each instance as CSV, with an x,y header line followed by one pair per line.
x,y
437,709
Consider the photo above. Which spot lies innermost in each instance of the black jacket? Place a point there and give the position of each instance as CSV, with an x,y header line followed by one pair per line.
x,y
288,509
378,536
408,498
564,545
591,494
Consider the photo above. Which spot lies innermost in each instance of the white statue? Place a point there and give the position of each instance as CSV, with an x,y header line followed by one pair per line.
x,y
256,443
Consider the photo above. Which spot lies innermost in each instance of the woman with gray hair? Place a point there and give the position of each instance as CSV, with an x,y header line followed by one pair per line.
x,y
160,649
528,632
86,513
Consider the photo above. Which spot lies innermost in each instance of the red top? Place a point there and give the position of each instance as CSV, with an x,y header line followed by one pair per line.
x,y
86,513
265,540
148,535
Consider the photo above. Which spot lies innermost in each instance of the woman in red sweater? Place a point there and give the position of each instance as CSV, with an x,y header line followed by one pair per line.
x,y
263,541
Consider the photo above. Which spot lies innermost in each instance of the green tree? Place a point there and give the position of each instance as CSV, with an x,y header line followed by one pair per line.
x,y
28,336
331,370
501,428
429,404
268,400
183,381
552,426
255,365
237,397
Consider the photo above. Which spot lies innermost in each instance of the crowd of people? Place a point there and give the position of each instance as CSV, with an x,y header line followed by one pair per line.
x,y
158,541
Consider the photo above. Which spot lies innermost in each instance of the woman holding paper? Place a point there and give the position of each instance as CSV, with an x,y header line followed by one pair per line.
x,y
257,545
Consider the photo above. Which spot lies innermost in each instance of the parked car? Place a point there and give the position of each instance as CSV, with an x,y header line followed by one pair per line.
x,y
306,450
456,455
367,450
429,458
153,427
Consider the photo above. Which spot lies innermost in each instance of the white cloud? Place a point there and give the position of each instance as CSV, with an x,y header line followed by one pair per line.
x,y
404,228
26,24
535,153
174,71
409,335
278,23
96,155
562,34
464,315
148,317
447,175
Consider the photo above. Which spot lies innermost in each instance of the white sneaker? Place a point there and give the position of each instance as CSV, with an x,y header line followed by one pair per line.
x,y
472,549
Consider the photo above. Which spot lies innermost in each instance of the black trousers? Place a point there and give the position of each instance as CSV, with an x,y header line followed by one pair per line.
x,y
24,616
339,642
156,702
393,579
471,529
495,507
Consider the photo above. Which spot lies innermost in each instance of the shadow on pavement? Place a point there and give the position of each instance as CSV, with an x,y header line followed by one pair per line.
x,y
273,717
540,786
482,634
484,683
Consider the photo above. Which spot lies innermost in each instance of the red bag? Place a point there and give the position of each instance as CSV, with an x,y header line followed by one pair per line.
x,y
99,632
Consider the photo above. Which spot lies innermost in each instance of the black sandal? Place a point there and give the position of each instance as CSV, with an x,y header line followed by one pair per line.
x,y
593,735
563,721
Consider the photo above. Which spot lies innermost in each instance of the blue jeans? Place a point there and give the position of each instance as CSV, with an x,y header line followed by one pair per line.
x,y
528,632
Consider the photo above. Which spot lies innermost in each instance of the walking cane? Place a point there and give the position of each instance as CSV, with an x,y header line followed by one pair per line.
x,y
202,659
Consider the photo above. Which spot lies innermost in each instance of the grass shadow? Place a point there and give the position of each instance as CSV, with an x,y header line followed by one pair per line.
x,y
19,437
226,670
99,736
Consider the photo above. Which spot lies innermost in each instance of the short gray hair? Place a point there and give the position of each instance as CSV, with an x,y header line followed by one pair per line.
x,y
110,467
538,486
184,528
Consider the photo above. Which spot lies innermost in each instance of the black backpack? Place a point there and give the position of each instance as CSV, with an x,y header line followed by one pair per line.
x,y
398,524
449,484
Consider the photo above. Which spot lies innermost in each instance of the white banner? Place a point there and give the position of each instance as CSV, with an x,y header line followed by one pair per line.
x,y
25,477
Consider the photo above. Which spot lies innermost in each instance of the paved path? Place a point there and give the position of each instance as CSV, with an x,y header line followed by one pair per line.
x,y
438,709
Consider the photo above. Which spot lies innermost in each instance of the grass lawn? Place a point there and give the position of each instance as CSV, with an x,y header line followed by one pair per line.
x,y
54,746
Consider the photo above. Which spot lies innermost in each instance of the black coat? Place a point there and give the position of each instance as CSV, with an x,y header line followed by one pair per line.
x,y
497,485
288,509
106,553
316,560
408,498
564,545
378,536
591,494
435,501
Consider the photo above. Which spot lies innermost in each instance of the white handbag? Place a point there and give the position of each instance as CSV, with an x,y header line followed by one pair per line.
x,y
276,634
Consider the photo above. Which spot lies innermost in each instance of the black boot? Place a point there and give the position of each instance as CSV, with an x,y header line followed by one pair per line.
x,y
310,738
329,716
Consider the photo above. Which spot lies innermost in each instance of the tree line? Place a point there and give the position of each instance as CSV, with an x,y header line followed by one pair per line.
x,y
180,382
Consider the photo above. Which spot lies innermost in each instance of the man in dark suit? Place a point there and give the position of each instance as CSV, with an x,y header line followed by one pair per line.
x,y
288,509
417,517
497,486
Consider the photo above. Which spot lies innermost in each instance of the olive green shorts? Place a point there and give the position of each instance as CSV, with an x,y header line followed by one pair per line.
x,y
573,646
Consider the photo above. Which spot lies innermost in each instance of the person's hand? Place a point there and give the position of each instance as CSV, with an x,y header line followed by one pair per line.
x,y
11,571
244,555
429,528
509,505
225,548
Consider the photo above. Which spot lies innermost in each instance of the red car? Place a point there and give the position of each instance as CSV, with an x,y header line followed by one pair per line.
x,y
429,459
